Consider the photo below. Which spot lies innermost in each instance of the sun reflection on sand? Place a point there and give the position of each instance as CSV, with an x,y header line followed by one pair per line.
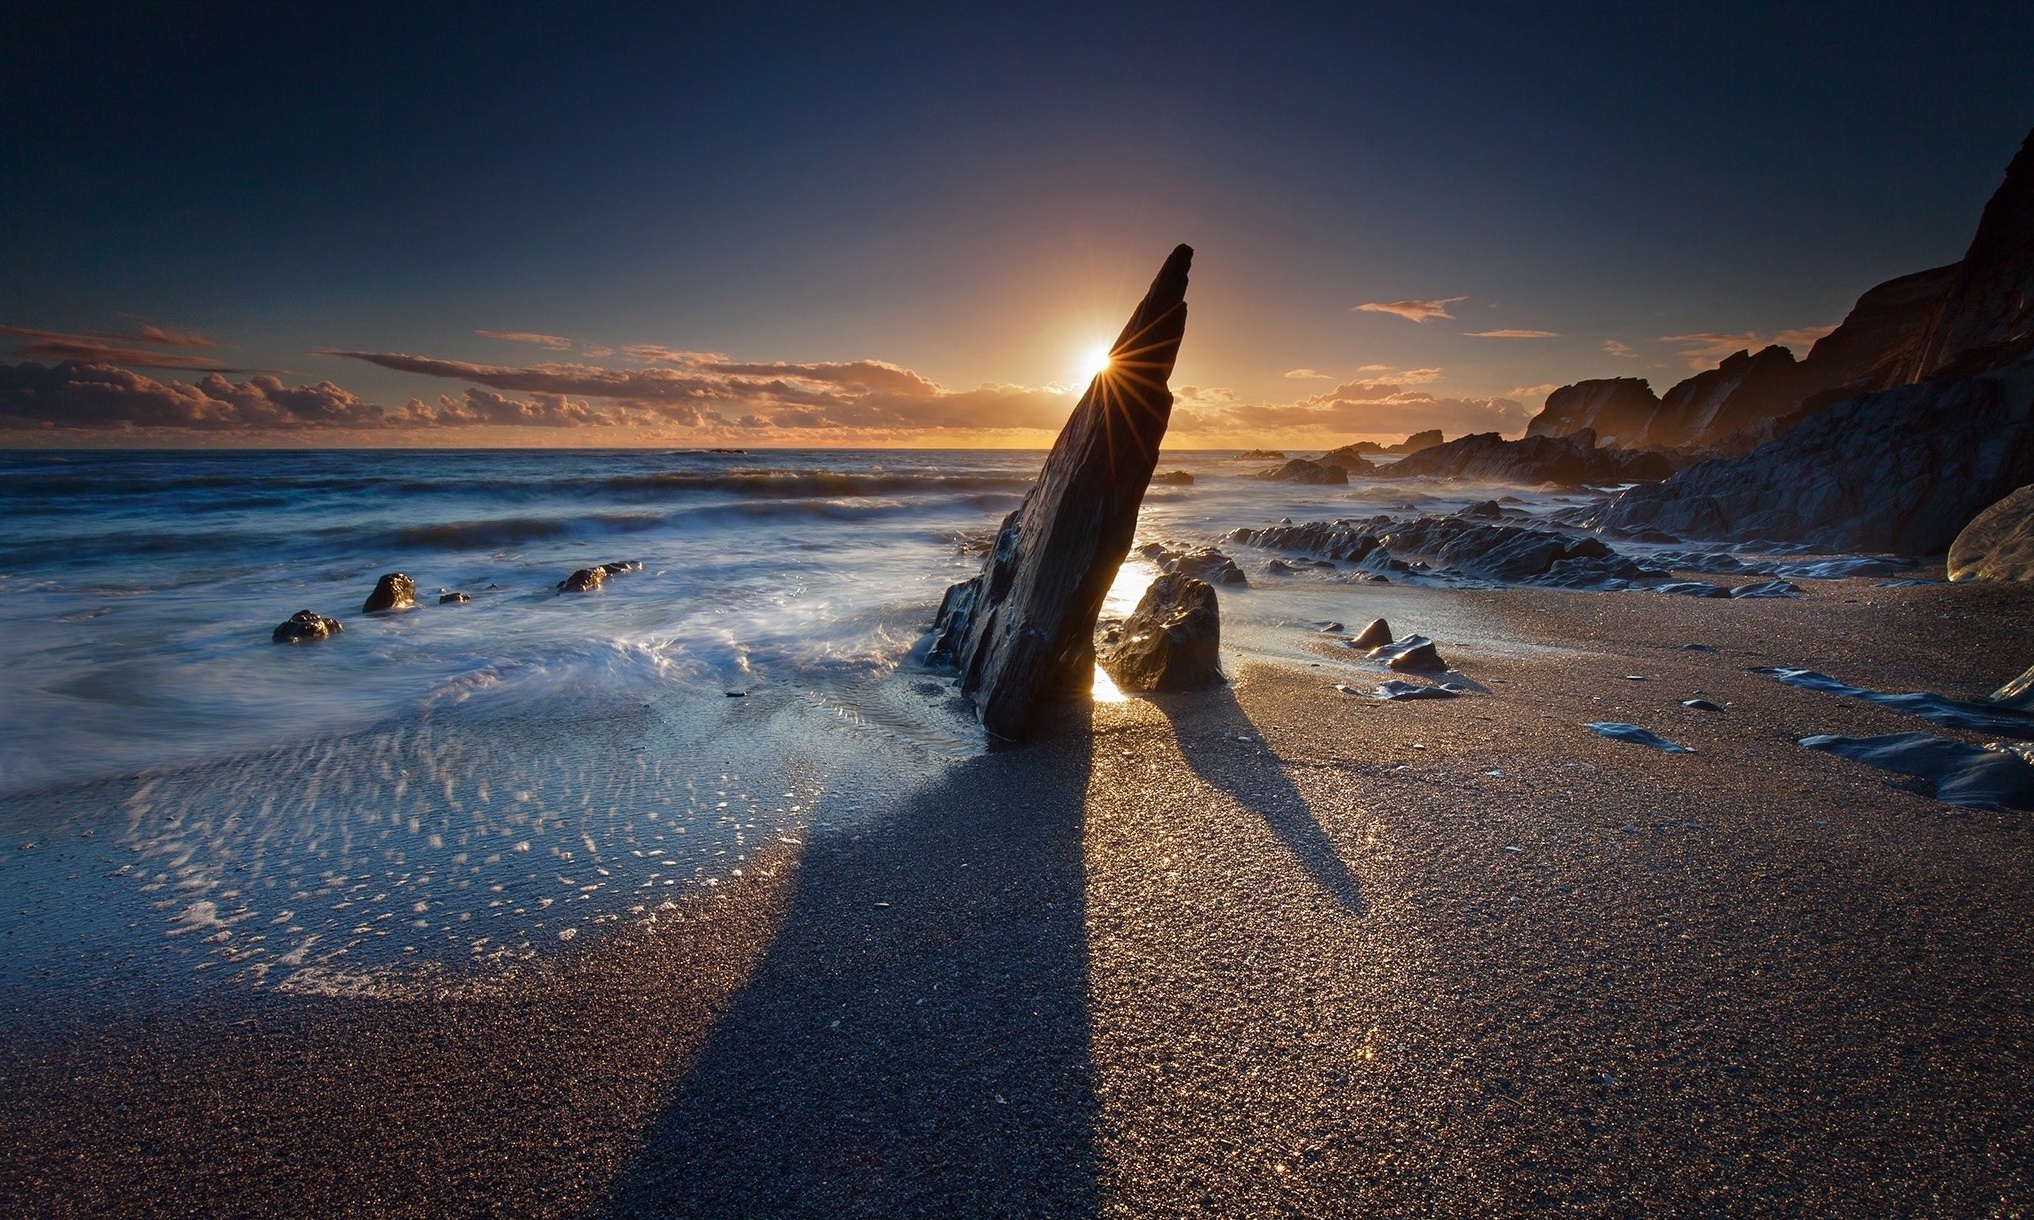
x,y
1105,690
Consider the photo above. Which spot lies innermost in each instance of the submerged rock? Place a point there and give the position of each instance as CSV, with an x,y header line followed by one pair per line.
x,y
585,580
1300,470
1171,641
305,627
1024,628
394,591
446,599
1998,544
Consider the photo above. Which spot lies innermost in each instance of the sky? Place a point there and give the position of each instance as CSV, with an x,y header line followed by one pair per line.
x,y
766,225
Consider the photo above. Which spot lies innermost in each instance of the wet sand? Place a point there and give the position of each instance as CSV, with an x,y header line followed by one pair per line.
x,y
1273,949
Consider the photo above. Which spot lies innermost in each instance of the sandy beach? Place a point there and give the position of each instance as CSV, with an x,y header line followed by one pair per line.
x,y
1271,949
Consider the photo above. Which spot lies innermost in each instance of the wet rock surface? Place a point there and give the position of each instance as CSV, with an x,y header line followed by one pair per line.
x,y
1172,641
1992,776
305,627
394,591
1375,634
2002,713
1998,544
1024,628
1413,654
1618,730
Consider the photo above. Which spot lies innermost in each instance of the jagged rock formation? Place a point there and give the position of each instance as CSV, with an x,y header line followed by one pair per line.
x,y
1572,461
1616,409
1508,553
305,627
394,591
1416,442
1171,641
1998,544
1300,470
1174,478
1354,457
1902,470
1024,628
1987,318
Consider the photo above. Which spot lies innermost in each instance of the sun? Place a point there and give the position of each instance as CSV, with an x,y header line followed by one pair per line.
x,y
1094,360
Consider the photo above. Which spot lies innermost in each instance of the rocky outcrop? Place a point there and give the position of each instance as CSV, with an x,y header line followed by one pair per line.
x,y
1300,470
1510,554
394,591
1901,470
1987,318
1416,442
1572,461
305,627
1024,628
1614,408
1174,478
586,580
1171,641
1998,544
1352,457
1260,455
1201,563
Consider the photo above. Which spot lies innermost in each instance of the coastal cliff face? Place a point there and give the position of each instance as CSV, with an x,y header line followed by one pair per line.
x,y
1614,408
1573,461
1024,628
1987,317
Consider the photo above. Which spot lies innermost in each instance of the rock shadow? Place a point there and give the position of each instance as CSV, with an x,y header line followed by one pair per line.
x,y
917,1039
1207,726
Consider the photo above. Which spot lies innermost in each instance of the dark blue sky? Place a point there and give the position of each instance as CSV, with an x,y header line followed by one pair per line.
x,y
977,196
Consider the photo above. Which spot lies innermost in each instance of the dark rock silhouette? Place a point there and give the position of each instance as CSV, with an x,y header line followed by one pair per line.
x,y
1616,409
394,591
446,599
1572,461
1260,455
1416,442
1998,544
1987,318
1902,470
585,580
1171,641
1024,628
1174,478
1354,457
1300,470
306,627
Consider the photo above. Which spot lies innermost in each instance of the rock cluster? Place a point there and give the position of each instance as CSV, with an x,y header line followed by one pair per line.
x,y
1024,628
1301,470
1571,461
1171,641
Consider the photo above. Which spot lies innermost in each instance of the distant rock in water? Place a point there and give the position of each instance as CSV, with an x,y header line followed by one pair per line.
x,y
1998,544
1300,470
1260,455
1417,442
1024,628
1171,641
586,580
394,591
1571,461
447,599
306,627
1903,470
1354,457
1174,478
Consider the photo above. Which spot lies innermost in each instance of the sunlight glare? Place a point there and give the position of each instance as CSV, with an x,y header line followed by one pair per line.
x,y
1094,362
1105,689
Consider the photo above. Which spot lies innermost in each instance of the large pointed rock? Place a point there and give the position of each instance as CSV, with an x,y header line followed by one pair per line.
x,y
1024,629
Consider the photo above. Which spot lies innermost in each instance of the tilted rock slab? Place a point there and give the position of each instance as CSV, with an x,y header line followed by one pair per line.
x,y
1024,628
1998,544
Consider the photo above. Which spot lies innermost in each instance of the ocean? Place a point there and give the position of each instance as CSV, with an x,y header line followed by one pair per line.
x,y
466,785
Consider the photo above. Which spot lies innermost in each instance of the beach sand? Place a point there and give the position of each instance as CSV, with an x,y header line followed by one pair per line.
x,y
1271,949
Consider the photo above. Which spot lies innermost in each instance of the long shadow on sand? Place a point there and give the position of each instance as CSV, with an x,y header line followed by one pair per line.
x,y
1208,726
916,1041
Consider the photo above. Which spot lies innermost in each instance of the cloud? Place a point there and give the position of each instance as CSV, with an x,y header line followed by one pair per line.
x,y
1623,351
1412,311
109,347
79,395
525,336
1513,334
1356,408
693,388
1308,375
1706,348
1533,393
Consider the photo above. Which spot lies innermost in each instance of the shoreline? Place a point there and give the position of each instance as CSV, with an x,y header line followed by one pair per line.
x,y
1245,951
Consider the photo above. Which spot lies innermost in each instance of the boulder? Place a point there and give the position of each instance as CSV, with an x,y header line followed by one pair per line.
x,y
394,591
1300,470
1024,628
446,599
306,627
585,580
1572,461
1376,635
1902,470
1203,563
1354,457
1413,654
1171,641
1998,544
1416,442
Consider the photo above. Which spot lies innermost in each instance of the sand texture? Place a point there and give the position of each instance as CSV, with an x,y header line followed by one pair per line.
x,y
1272,949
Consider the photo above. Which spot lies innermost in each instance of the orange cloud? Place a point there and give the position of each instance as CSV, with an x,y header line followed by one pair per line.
x,y
1513,334
1412,311
105,347
525,336
1706,348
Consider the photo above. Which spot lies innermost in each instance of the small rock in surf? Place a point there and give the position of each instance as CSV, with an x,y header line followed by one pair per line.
x,y
306,627
393,591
